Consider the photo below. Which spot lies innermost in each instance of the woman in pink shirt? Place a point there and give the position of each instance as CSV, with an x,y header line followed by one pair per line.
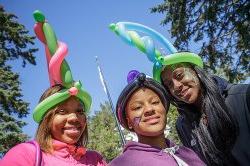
x,y
62,134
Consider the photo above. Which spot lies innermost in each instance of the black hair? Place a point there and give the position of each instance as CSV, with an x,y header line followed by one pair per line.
x,y
218,137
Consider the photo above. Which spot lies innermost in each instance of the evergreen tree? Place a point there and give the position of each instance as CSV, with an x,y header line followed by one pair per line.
x,y
221,29
103,133
14,44
171,127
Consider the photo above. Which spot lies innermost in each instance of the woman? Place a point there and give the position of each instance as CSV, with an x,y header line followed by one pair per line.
x,y
210,109
62,133
142,108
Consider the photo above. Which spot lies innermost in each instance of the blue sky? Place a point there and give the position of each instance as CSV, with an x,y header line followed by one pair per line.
x,y
83,26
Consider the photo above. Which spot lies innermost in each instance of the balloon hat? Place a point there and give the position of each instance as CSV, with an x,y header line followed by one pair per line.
x,y
127,32
58,68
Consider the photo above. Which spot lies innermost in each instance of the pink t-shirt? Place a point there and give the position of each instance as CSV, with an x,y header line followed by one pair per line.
x,y
24,155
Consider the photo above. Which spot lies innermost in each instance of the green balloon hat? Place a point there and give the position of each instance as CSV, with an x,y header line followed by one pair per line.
x,y
127,32
58,70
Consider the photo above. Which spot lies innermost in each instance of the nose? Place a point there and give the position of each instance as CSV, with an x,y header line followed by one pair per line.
x,y
177,86
149,110
73,118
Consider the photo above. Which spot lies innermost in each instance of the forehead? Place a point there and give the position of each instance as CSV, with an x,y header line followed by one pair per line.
x,y
168,71
72,101
142,93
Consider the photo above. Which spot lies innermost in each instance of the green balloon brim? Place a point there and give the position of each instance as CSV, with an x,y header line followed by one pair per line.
x,y
43,107
176,58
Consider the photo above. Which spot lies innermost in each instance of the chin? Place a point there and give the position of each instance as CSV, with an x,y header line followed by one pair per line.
x,y
193,99
189,101
70,141
153,133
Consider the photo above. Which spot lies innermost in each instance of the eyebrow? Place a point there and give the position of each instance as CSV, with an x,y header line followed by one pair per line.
x,y
135,102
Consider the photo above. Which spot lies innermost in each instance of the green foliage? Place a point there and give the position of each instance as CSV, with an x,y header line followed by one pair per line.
x,y
172,117
14,40
103,134
220,30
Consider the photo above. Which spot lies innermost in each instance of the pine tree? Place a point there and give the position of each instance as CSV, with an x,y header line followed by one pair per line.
x,y
219,29
14,44
171,127
103,134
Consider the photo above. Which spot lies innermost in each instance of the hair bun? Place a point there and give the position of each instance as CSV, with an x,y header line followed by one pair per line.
x,y
141,77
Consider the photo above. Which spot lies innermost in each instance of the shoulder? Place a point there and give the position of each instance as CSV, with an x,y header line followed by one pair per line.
x,y
121,160
235,89
189,156
21,154
23,148
238,95
129,156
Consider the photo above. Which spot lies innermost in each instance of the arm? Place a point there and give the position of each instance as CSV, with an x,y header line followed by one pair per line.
x,y
20,155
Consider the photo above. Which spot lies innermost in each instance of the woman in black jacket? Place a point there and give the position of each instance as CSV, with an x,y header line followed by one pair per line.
x,y
210,110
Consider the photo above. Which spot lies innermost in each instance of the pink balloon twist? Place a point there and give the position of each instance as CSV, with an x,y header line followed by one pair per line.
x,y
53,62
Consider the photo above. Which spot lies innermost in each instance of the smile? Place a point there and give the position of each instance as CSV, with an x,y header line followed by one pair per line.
x,y
152,120
72,130
184,92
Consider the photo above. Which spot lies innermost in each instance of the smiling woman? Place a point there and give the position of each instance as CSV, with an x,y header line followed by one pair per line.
x,y
142,108
66,121
62,135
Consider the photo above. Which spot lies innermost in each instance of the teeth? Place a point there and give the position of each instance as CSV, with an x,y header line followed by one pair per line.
x,y
71,128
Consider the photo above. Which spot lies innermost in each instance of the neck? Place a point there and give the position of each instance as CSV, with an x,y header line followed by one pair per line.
x,y
157,141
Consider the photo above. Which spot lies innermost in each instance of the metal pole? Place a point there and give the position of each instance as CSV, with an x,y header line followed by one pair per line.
x,y
105,87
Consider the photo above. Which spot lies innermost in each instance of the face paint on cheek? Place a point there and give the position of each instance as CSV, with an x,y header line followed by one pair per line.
x,y
136,121
188,75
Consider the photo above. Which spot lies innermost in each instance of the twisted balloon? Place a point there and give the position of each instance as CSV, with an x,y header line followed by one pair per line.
x,y
127,32
58,68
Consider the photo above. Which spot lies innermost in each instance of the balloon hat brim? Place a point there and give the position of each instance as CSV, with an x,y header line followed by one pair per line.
x,y
59,70
127,32
53,100
180,57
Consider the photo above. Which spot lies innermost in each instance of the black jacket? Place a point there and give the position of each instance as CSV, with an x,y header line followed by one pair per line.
x,y
237,99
